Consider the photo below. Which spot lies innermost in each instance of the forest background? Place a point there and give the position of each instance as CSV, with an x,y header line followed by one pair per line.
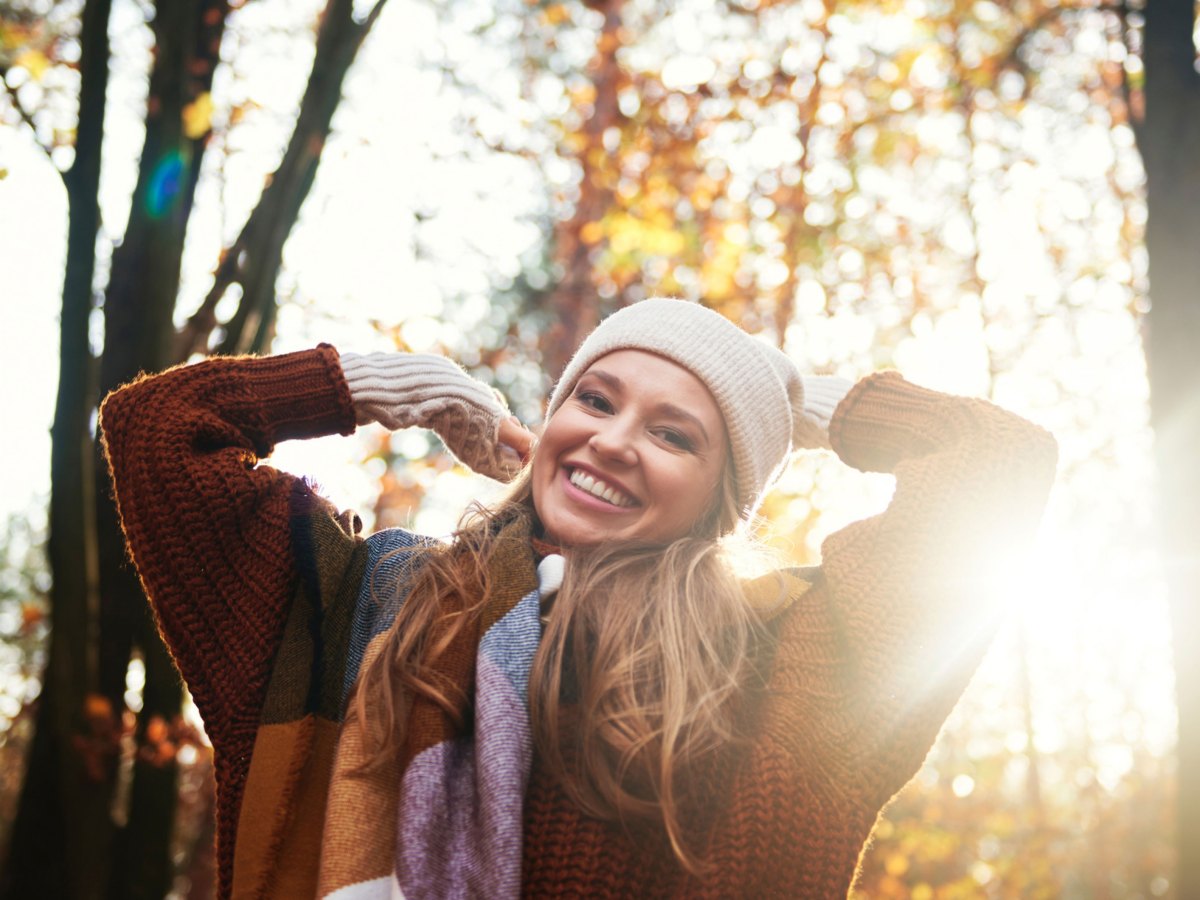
x,y
985,194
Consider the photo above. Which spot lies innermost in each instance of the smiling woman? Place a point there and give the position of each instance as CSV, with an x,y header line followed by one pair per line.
x,y
577,694
635,454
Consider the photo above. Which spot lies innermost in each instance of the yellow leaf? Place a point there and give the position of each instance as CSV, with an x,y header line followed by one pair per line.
x,y
896,864
582,94
197,116
591,232
35,62
556,14
97,707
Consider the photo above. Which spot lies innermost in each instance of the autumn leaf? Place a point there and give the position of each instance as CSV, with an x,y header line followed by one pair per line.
x,y
556,14
197,116
35,62
97,708
896,864
156,730
591,232
31,613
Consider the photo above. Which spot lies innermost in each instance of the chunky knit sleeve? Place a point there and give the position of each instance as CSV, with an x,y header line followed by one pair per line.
x,y
871,661
207,527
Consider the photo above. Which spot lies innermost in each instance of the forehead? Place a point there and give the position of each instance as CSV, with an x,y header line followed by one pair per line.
x,y
649,377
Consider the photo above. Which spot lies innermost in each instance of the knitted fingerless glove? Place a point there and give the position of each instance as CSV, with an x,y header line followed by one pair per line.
x,y
402,390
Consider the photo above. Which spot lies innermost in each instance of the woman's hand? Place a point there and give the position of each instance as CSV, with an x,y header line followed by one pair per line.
x,y
402,390
516,439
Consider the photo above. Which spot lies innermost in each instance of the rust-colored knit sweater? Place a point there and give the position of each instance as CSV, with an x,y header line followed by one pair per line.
x,y
867,664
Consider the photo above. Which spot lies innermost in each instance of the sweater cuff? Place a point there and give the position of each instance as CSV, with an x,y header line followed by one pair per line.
x,y
883,420
300,395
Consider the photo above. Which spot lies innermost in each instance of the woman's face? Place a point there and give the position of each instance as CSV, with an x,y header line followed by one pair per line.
x,y
635,454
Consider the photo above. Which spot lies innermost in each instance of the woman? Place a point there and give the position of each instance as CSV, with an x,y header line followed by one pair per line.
x,y
577,696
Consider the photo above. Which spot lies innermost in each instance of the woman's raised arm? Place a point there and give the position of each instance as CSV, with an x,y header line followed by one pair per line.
x,y
878,652
400,390
207,527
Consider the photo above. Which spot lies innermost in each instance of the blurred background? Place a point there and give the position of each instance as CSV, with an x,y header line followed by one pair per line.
x,y
997,197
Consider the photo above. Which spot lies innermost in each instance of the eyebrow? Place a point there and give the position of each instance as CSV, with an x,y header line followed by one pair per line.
x,y
666,407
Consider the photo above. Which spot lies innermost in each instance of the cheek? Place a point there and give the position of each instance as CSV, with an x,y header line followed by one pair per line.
x,y
704,494
556,433
687,491
540,474
545,459
545,451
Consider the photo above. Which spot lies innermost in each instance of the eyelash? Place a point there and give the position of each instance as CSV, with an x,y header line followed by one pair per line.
x,y
678,440
594,400
599,402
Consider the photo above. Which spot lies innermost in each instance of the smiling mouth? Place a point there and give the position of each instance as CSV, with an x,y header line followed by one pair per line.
x,y
600,489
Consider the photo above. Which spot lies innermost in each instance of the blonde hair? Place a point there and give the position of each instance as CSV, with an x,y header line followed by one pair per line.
x,y
646,650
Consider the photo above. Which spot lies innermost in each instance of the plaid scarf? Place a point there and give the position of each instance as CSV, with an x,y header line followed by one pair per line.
x,y
445,818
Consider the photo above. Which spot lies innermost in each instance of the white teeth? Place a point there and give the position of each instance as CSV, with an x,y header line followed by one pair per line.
x,y
598,488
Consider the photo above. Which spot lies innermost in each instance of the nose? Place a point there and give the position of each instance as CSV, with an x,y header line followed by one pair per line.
x,y
614,440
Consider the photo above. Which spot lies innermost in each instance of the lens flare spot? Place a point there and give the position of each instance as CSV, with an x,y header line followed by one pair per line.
x,y
165,183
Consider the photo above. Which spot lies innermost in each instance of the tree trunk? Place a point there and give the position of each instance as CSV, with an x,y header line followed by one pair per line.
x,y
139,336
1169,139
64,842
63,809
573,303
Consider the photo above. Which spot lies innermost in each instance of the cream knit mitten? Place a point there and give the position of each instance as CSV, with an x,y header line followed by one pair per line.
x,y
402,390
822,394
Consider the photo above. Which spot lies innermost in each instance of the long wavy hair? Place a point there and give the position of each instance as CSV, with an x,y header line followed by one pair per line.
x,y
645,653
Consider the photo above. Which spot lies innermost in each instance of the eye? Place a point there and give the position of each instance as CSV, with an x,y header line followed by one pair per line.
x,y
676,439
596,401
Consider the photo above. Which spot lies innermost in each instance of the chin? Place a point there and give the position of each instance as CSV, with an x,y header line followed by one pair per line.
x,y
567,535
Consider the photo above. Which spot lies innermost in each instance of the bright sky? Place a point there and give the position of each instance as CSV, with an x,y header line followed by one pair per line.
x,y
32,238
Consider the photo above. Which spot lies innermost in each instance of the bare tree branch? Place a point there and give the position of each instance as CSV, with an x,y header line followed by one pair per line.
x,y
339,38
1133,113
1045,17
26,116
193,336
797,229
372,16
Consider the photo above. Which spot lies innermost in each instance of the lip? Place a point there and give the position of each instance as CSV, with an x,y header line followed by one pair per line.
x,y
592,500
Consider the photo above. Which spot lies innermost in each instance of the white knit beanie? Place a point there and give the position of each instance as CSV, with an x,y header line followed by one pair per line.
x,y
758,389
